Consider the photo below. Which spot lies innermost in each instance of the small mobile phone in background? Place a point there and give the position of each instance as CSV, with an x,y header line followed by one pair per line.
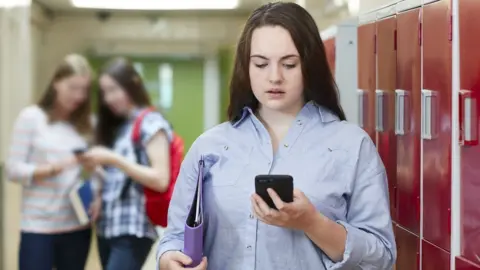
x,y
79,151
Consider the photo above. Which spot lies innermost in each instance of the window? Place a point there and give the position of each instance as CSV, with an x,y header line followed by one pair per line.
x,y
165,77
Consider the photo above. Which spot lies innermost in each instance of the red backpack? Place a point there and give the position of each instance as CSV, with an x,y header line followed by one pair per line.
x,y
156,203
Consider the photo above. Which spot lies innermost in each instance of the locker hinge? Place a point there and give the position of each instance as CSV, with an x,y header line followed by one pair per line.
x,y
420,34
450,28
395,39
375,44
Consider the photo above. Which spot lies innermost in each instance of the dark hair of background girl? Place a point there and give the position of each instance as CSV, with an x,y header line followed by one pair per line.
x,y
122,71
319,84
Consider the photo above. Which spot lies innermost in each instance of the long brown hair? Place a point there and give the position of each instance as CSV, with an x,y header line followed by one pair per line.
x,y
71,65
121,71
319,85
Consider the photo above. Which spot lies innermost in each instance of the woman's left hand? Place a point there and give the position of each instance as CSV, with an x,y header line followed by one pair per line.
x,y
98,155
296,215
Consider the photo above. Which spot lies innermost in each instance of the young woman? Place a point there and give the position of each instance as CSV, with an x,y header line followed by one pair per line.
x,y
285,118
42,159
125,232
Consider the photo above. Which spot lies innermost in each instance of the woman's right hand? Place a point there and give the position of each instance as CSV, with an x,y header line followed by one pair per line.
x,y
176,260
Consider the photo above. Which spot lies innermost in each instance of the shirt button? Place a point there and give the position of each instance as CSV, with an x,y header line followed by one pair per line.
x,y
285,145
249,247
251,216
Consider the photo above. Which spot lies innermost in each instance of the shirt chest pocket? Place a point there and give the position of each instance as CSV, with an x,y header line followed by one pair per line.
x,y
228,169
325,177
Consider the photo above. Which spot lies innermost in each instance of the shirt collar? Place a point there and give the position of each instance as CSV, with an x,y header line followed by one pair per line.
x,y
307,112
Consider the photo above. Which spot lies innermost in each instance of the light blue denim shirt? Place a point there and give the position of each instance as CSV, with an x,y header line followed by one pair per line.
x,y
333,162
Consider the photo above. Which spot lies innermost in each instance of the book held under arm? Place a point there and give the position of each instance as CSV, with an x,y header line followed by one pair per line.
x,y
81,197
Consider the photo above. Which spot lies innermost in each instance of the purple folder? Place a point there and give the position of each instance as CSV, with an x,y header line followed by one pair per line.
x,y
193,238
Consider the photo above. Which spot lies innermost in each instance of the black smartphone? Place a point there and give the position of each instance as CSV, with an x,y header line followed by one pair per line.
x,y
79,151
281,184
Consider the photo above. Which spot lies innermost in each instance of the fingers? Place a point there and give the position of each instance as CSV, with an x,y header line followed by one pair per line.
x,y
181,258
202,265
297,193
276,199
263,207
256,210
263,211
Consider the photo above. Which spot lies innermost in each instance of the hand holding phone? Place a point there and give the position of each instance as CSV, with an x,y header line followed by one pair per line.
x,y
281,184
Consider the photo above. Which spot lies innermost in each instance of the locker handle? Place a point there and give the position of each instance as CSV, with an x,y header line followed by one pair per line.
x,y
428,110
379,112
361,95
469,119
400,110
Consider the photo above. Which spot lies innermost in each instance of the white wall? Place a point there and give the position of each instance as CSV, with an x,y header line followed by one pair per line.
x,y
15,93
369,5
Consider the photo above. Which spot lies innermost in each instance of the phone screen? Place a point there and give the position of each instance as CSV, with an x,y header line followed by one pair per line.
x,y
282,184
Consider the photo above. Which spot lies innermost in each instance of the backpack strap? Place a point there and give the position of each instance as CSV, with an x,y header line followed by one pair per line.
x,y
137,146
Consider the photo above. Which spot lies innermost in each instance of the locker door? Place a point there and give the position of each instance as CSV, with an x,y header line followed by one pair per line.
x,y
407,119
434,258
330,51
462,264
436,123
408,250
385,102
366,78
469,123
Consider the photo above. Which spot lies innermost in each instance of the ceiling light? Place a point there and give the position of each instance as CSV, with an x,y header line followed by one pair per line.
x,y
156,4
353,6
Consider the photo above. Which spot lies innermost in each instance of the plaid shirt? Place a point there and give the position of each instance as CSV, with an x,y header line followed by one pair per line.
x,y
127,216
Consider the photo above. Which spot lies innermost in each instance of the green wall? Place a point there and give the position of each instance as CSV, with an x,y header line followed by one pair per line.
x,y
186,113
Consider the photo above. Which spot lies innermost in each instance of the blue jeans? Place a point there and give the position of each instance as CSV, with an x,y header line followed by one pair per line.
x,y
124,252
65,251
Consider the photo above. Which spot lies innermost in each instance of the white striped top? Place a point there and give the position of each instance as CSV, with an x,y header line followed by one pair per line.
x,y
46,207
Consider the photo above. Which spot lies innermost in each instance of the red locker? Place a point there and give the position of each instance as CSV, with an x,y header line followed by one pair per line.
x,y
407,119
330,51
436,123
463,264
385,101
408,250
469,108
367,77
434,258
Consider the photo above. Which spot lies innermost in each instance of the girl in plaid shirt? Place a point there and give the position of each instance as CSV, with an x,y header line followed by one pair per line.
x,y
125,234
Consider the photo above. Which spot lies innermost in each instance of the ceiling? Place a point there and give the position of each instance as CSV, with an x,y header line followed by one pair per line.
x,y
64,6
325,12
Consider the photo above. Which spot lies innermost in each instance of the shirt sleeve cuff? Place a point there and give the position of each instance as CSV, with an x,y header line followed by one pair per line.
x,y
354,248
175,245
30,172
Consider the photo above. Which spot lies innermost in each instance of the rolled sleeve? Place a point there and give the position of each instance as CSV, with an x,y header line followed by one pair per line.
x,y
185,186
172,245
153,123
354,247
370,240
